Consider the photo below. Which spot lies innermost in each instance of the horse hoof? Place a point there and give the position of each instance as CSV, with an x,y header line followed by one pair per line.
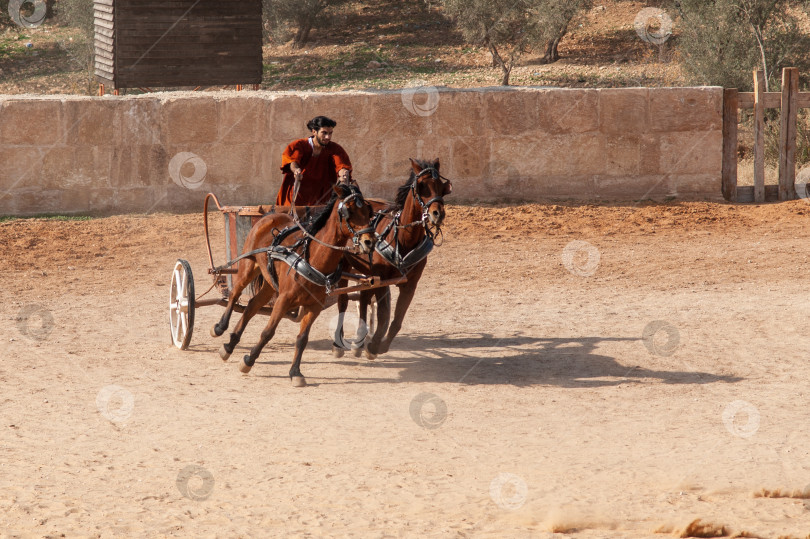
x,y
224,354
357,352
370,356
244,367
337,351
299,381
214,332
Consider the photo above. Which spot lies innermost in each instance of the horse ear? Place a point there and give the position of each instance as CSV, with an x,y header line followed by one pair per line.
x,y
416,168
336,189
436,164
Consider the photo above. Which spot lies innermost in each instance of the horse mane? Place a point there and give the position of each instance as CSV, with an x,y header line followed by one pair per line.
x,y
404,189
319,220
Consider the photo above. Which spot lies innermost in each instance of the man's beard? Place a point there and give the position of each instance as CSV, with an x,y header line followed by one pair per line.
x,y
322,142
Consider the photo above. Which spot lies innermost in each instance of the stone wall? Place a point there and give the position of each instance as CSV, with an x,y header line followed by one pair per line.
x,y
165,151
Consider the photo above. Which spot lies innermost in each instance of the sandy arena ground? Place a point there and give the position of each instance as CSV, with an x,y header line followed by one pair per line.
x,y
653,377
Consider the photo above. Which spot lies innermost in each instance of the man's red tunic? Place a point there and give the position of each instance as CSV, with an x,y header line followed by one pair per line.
x,y
319,174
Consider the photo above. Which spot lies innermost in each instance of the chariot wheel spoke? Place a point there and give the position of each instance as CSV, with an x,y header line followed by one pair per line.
x,y
181,305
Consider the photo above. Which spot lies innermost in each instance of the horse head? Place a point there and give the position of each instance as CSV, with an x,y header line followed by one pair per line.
x,y
354,215
429,189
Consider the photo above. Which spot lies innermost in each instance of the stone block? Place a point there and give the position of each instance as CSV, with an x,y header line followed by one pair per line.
x,y
139,166
397,153
239,119
180,199
632,187
265,192
190,119
686,109
90,122
35,122
469,190
469,158
391,119
457,113
140,121
231,163
649,155
269,159
349,109
697,186
367,161
57,163
138,199
8,204
624,111
502,182
692,152
284,119
101,200
567,111
622,155
75,200
35,201
556,155
21,167
511,112
558,187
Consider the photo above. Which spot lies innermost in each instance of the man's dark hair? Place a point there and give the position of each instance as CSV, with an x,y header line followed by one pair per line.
x,y
320,121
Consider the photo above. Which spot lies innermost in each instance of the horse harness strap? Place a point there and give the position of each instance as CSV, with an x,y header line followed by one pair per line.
x,y
301,267
299,264
390,253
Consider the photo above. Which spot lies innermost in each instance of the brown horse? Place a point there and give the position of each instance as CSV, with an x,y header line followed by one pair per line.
x,y
404,235
346,216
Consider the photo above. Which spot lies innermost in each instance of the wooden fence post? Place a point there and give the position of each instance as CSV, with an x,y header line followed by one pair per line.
x,y
730,105
787,133
759,137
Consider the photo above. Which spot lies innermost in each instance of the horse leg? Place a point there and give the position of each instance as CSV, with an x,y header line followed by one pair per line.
x,y
383,317
247,273
362,314
280,308
406,292
342,303
258,301
301,341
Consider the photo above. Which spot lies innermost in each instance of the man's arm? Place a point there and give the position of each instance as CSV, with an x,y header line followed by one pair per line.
x,y
343,165
296,170
292,157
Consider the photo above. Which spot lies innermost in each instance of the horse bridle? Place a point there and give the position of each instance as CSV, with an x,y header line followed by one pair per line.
x,y
426,205
343,214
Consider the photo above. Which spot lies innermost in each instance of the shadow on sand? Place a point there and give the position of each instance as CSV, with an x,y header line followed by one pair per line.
x,y
480,358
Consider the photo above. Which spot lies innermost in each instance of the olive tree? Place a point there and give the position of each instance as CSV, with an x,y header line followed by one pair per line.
x,y
511,28
722,41
295,18
507,28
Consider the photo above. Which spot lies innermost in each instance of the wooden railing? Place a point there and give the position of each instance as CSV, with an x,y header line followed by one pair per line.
x,y
789,100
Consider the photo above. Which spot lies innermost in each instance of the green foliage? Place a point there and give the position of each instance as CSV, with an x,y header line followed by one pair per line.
x,y
78,14
286,19
510,28
723,41
48,217
80,45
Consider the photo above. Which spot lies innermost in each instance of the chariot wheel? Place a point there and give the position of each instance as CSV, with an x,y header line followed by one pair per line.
x,y
181,304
